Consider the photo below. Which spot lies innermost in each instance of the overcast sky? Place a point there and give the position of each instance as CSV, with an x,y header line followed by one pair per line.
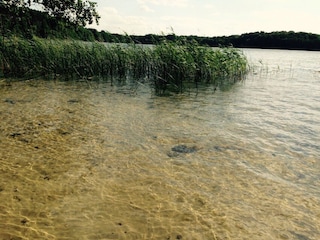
x,y
208,17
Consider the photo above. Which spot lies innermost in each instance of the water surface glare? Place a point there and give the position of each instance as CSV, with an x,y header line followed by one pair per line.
x,y
90,161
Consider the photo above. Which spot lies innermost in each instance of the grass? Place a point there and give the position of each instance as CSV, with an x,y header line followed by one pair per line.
x,y
168,66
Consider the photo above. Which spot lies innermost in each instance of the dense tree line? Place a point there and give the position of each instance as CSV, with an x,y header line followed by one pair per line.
x,y
273,40
23,21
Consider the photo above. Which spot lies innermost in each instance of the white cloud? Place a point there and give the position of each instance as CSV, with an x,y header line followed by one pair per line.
x,y
170,3
110,10
285,20
209,6
118,22
146,8
209,18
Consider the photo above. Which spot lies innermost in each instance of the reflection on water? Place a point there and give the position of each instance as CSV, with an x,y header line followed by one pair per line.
x,y
81,161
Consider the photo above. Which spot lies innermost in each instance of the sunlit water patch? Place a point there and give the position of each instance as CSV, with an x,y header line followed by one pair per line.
x,y
92,161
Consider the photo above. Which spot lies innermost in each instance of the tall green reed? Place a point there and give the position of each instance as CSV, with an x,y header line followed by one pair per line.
x,y
168,66
179,64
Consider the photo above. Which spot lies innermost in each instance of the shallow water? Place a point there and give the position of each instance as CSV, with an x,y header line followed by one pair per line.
x,y
93,161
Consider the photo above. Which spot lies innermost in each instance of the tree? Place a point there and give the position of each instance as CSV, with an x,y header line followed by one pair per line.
x,y
11,13
79,12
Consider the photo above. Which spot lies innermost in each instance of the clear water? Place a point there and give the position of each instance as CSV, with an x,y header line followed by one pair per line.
x,y
93,161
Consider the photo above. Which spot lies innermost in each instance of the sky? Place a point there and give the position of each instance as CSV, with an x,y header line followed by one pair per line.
x,y
207,17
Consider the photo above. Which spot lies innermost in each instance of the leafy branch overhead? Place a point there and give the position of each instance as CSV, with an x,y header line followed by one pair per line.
x,y
75,11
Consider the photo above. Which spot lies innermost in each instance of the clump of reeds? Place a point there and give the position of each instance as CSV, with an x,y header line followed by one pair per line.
x,y
167,65
180,63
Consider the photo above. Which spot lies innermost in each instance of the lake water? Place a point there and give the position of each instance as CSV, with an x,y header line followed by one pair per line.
x,y
92,161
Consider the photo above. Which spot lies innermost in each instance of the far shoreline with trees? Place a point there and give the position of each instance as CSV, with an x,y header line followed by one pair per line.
x,y
25,22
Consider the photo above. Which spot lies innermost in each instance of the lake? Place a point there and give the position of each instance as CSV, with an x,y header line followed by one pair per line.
x,y
90,160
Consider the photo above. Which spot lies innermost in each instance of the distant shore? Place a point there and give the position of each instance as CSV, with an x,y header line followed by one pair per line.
x,y
27,23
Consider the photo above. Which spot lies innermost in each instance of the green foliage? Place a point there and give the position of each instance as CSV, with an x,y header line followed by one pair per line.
x,y
27,23
168,66
178,64
274,40
277,40
79,12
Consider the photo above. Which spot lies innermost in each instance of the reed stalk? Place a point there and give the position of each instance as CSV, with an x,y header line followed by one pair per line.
x,y
168,66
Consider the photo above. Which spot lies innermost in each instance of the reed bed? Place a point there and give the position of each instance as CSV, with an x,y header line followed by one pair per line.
x,y
168,66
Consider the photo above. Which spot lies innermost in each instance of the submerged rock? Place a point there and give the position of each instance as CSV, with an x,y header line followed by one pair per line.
x,y
9,100
73,101
15,134
184,149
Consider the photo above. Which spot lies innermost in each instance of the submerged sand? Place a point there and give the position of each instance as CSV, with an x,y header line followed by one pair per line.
x,y
90,162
